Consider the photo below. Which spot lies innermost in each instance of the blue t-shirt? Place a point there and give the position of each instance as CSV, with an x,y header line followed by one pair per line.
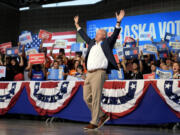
x,y
37,75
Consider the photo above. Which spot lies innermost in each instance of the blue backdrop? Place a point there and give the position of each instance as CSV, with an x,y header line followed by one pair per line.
x,y
158,24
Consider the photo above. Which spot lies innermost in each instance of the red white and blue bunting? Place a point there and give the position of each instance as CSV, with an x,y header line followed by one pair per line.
x,y
119,98
169,91
9,93
122,97
51,97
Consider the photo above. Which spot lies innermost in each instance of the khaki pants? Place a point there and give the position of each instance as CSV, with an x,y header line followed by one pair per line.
x,y
92,92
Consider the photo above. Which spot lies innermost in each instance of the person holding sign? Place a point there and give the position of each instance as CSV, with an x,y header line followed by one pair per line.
x,y
37,72
98,60
56,72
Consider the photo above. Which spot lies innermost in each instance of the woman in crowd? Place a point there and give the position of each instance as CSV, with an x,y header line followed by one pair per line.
x,y
74,70
176,73
15,69
80,72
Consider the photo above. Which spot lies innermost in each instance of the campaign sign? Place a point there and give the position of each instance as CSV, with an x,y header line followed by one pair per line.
x,y
12,51
116,74
60,43
43,34
37,58
55,74
25,38
149,76
145,36
33,50
130,44
169,37
149,49
163,74
174,46
2,71
4,46
77,47
130,53
162,49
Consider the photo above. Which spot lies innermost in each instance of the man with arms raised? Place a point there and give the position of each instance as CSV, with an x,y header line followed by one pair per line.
x,y
98,61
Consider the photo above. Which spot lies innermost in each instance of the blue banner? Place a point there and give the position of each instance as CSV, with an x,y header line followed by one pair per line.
x,y
157,24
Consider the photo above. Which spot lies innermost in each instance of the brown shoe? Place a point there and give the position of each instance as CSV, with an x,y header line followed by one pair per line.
x,y
103,120
91,127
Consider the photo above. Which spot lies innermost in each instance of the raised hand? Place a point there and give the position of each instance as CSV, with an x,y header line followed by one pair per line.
x,y
120,16
76,22
76,19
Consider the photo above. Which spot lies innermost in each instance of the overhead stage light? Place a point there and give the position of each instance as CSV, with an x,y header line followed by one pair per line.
x,y
71,3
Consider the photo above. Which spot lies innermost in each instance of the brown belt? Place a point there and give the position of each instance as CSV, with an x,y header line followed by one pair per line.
x,y
92,71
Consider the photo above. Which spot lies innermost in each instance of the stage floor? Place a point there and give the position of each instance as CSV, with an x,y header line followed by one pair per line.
x,y
32,127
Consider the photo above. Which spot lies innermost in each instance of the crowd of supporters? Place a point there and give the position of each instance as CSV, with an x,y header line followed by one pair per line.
x,y
19,68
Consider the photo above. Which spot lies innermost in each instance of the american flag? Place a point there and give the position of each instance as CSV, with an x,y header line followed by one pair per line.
x,y
70,36
35,42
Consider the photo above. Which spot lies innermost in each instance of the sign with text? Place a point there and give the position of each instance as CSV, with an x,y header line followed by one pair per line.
x,y
60,43
157,23
149,76
2,71
120,53
77,47
37,58
130,53
55,74
116,75
149,49
163,74
12,51
31,51
162,49
4,46
43,34
25,38
174,45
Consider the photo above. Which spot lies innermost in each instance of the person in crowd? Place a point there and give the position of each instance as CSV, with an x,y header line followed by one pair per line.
x,y
16,68
37,72
48,60
176,70
80,72
137,68
146,64
153,68
169,63
1,59
74,70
